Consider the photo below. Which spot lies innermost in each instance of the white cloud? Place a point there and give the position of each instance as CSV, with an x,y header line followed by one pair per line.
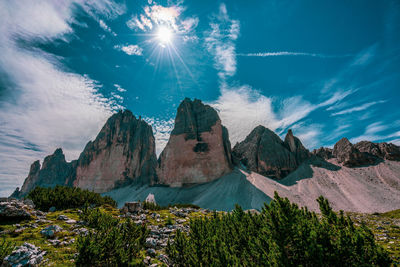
x,y
130,49
220,42
105,27
242,109
161,130
155,15
46,106
359,108
286,53
119,88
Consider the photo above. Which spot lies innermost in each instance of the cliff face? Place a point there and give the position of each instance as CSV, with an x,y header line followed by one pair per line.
x,y
198,150
54,171
123,152
264,152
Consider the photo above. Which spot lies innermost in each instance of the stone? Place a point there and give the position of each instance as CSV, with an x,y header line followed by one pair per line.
x,y
132,207
151,242
50,230
198,149
122,153
264,152
151,252
29,202
25,255
147,260
70,221
62,217
52,209
151,199
350,156
14,209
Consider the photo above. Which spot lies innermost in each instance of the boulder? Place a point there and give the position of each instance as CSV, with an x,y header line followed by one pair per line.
x,y
264,152
51,230
14,209
122,153
25,255
132,207
198,149
350,156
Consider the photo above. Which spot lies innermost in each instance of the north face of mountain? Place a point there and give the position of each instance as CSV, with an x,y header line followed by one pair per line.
x,y
198,150
123,152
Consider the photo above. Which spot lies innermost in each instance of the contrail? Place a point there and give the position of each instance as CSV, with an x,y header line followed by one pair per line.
x,y
286,53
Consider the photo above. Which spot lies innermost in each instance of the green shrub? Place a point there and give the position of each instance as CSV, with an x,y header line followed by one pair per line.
x,y
111,242
154,207
6,247
169,221
281,235
63,197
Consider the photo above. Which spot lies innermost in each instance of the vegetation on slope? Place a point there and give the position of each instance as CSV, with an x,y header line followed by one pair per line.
x,y
112,242
63,197
281,235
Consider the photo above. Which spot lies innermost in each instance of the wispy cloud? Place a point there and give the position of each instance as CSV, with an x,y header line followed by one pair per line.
x,y
47,107
132,50
286,53
220,42
105,27
161,130
376,132
358,108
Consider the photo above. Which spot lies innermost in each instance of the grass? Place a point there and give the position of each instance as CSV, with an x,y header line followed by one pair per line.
x,y
386,228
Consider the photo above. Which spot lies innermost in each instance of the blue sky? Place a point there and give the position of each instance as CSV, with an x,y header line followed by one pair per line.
x,y
326,69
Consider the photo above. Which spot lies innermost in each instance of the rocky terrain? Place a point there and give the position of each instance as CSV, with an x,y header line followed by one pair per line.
x,y
49,238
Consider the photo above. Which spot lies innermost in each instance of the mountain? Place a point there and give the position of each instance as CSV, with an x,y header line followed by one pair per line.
x,y
54,171
198,166
198,149
264,152
123,152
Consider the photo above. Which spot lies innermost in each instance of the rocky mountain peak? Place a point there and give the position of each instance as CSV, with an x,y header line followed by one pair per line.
x,y
198,150
123,152
193,118
350,156
264,152
54,170
295,146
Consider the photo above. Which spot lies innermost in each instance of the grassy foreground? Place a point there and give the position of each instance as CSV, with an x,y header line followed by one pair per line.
x,y
281,235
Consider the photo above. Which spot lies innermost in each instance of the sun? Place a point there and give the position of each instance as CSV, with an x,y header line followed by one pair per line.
x,y
164,35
